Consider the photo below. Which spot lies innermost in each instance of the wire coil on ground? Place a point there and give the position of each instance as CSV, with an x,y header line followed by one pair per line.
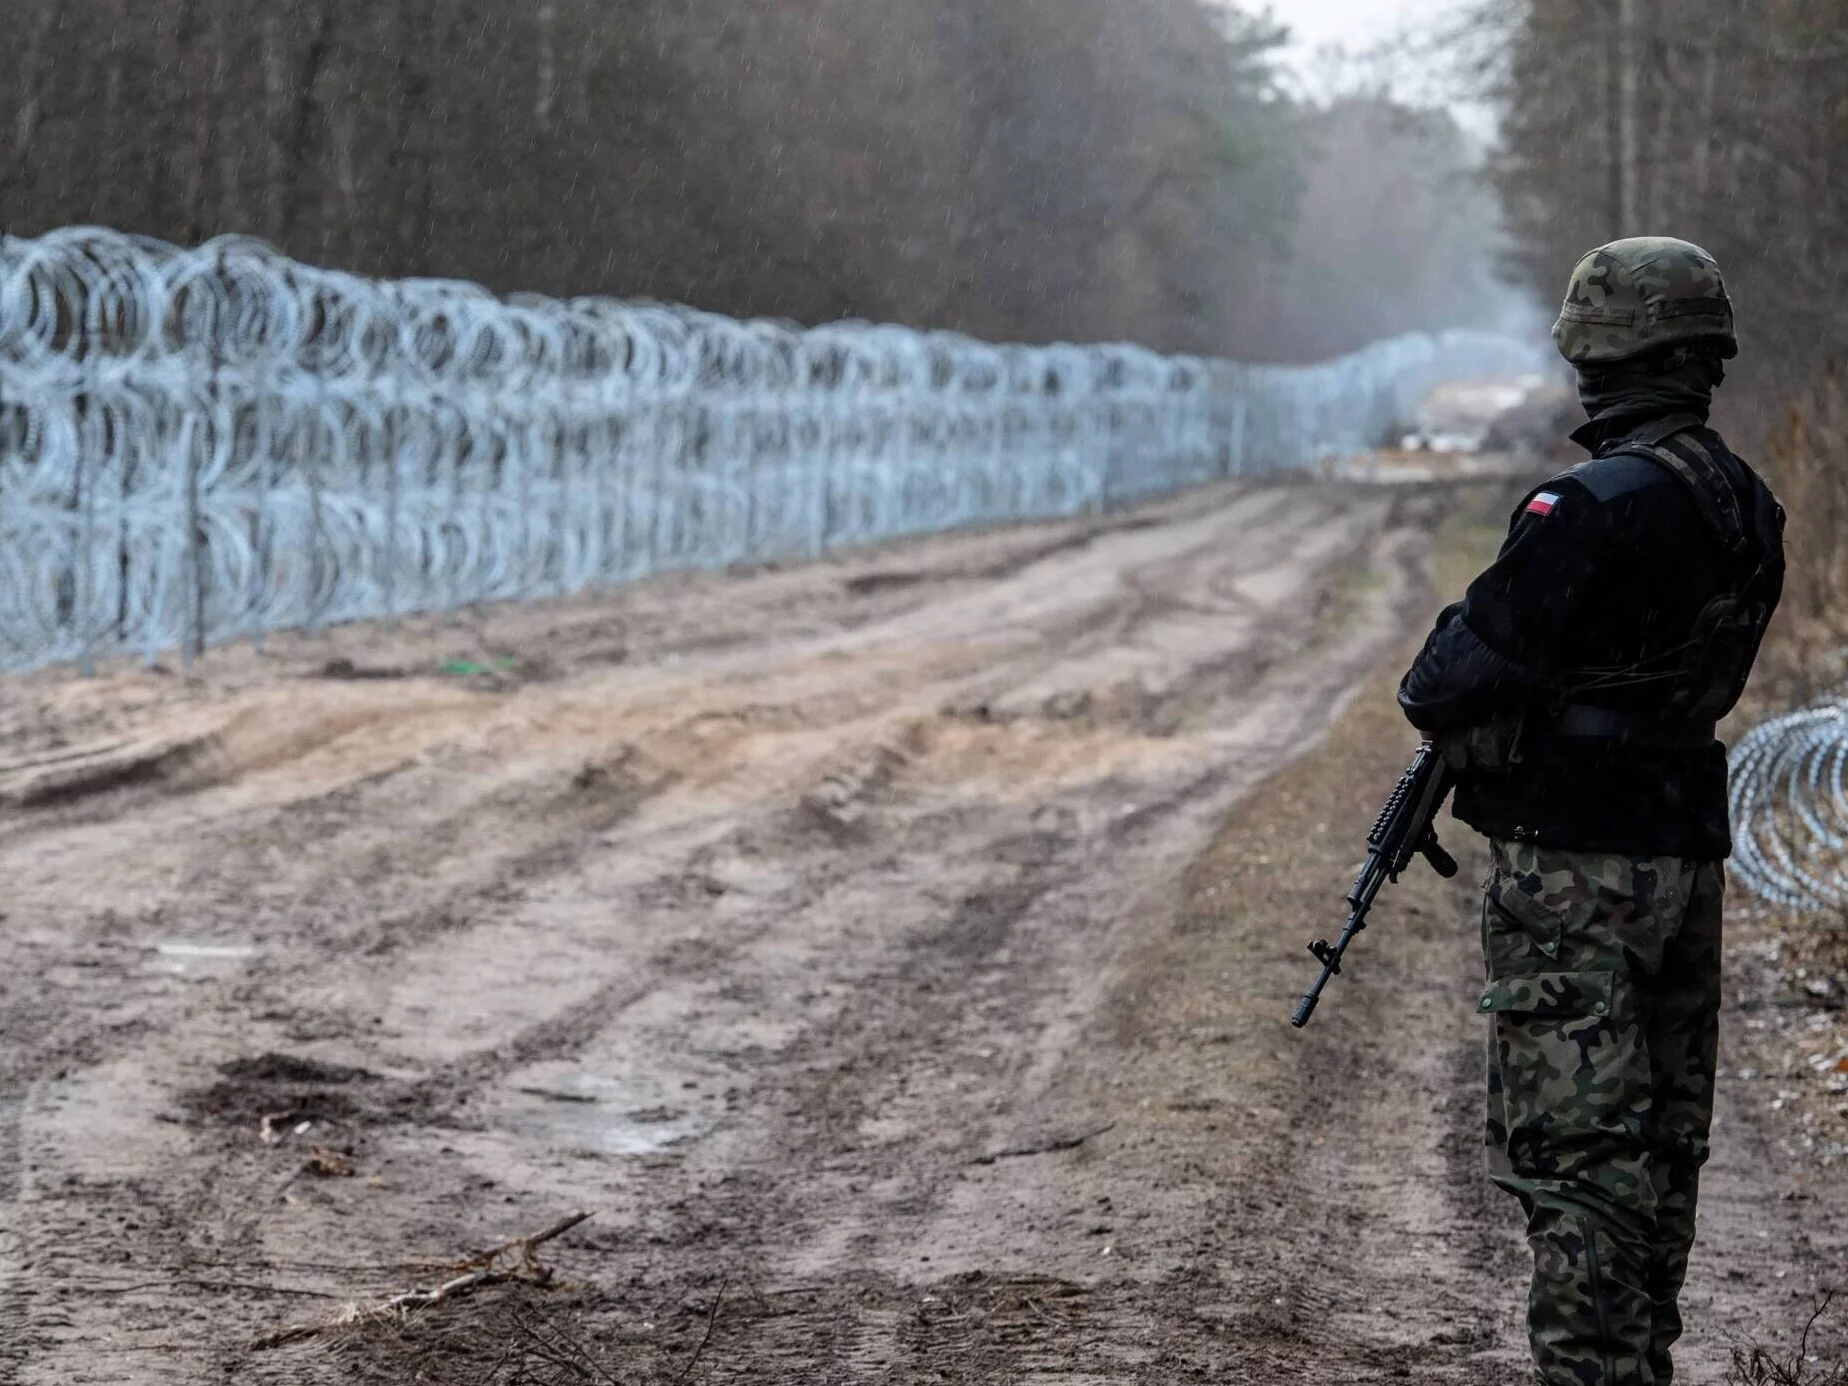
x,y
1790,808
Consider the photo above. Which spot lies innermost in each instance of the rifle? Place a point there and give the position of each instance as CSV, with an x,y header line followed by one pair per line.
x,y
1402,830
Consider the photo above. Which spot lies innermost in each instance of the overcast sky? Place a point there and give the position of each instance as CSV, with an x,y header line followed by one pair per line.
x,y
1358,25
1355,23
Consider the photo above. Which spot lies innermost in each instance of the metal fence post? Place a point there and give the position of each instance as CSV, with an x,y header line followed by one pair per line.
x,y
193,639
84,598
394,455
311,463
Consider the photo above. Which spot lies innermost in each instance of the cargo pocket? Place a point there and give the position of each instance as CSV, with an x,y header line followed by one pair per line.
x,y
1519,934
1551,995
1573,1074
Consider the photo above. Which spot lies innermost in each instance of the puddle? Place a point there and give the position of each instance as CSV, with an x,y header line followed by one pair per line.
x,y
596,1114
183,958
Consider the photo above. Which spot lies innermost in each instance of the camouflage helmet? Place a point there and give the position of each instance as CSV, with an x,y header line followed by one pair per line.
x,y
1637,295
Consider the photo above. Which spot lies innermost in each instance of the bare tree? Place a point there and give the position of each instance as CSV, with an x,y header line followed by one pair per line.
x,y
1737,156
1027,168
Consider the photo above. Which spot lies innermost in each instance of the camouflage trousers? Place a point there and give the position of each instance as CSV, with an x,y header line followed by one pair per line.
x,y
1603,999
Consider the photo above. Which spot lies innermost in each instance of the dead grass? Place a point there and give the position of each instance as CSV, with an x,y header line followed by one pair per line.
x,y
1789,972
508,1339
511,1263
1755,1365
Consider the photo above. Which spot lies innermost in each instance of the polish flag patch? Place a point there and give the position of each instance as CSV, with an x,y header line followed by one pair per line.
x,y
1543,503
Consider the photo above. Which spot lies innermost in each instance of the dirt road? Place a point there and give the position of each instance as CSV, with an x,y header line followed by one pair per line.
x,y
892,954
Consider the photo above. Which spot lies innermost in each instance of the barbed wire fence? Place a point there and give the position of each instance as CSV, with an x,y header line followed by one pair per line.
x,y
200,446
205,445
1789,778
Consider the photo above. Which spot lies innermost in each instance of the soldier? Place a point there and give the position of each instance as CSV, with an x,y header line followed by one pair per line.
x,y
1576,687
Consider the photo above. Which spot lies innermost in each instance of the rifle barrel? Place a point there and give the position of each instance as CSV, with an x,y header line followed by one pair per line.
x,y
1306,1006
1402,831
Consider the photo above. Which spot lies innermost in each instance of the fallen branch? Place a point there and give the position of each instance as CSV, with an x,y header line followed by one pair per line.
x,y
484,1268
1753,1365
554,1095
555,1347
526,1245
242,1287
1051,1147
711,1319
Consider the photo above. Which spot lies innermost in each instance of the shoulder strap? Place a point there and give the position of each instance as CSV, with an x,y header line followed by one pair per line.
x,y
1697,468
1670,443
1659,432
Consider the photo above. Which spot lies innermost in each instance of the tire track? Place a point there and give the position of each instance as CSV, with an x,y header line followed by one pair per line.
x,y
779,898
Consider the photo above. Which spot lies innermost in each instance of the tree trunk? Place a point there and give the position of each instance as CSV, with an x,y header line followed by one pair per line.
x,y
410,157
276,125
1703,146
1629,118
118,141
547,93
295,140
31,91
228,118
190,58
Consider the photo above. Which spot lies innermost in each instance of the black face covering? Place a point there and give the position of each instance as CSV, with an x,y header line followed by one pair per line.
x,y
1621,396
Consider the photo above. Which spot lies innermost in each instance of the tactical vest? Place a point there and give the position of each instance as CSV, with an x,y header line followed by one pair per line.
x,y
1712,665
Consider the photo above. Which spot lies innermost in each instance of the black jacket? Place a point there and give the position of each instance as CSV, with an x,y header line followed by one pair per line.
x,y
1596,589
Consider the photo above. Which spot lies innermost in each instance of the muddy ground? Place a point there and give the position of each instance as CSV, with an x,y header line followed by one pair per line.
x,y
893,955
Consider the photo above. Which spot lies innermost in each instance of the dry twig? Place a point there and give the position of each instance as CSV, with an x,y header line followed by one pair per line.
x,y
482,1269
1054,1146
1755,1366
706,1337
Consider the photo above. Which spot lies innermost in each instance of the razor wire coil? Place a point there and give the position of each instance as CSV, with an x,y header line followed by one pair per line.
x,y
210,444
1789,793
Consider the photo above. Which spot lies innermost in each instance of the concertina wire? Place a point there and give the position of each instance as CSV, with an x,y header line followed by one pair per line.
x,y
205,445
1790,808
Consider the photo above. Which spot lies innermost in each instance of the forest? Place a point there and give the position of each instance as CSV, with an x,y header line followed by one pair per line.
x,y
1020,169
1724,122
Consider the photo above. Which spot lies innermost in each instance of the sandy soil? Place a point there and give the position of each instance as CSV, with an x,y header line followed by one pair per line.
x,y
893,955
